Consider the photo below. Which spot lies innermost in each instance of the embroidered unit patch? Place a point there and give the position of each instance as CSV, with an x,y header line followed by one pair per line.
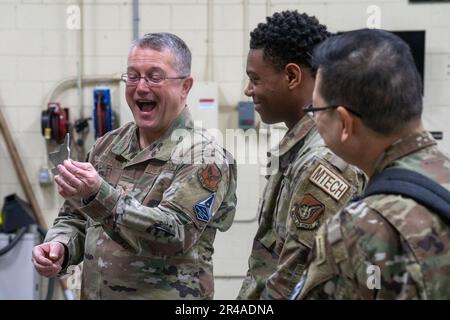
x,y
203,208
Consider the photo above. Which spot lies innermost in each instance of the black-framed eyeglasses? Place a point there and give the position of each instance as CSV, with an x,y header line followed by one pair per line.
x,y
154,80
313,109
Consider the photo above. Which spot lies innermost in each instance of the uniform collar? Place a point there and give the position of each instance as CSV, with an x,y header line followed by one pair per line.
x,y
161,149
403,147
297,133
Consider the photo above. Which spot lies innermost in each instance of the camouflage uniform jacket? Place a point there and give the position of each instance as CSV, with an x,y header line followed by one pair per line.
x,y
311,184
149,232
386,246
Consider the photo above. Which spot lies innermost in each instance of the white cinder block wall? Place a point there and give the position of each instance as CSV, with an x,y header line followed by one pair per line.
x,y
37,50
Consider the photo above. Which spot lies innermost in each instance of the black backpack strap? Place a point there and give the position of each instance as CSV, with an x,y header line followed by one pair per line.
x,y
413,185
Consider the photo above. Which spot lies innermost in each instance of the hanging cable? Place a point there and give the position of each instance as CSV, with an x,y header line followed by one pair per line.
x,y
20,233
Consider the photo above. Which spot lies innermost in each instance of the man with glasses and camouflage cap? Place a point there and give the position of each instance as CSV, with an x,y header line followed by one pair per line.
x,y
143,212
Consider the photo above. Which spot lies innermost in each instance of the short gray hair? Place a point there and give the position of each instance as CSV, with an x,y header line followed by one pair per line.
x,y
162,40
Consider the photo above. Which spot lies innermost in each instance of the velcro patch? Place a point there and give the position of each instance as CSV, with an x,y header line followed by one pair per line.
x,y
210,177
321,255
203,208
329,182
306,213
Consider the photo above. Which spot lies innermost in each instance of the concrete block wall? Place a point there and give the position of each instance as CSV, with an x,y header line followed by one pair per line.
x,y
38,50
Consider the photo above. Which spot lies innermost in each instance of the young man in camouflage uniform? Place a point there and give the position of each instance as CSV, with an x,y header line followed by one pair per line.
x,y
368,107
143,212
311,182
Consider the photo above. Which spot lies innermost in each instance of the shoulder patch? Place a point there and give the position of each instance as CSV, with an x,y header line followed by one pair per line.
x,y
328,181
210,177
203,208
306,212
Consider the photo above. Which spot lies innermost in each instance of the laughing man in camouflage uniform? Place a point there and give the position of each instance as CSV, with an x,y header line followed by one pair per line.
x,y
143,212
384,246
311,182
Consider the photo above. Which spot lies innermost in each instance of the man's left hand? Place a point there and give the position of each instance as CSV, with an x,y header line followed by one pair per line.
x,y
77,179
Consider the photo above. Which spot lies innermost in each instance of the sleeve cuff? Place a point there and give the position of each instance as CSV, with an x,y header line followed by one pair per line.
x,y
65,263
104,203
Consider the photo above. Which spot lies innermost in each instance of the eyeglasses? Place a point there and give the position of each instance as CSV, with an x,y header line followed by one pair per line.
x,y
310,108
154,80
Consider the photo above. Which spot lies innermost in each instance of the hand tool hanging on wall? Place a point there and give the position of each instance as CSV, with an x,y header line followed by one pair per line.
x,y
81,127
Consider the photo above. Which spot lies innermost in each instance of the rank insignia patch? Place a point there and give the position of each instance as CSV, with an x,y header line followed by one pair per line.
x,y
210,177
203,208
321,255
306,212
